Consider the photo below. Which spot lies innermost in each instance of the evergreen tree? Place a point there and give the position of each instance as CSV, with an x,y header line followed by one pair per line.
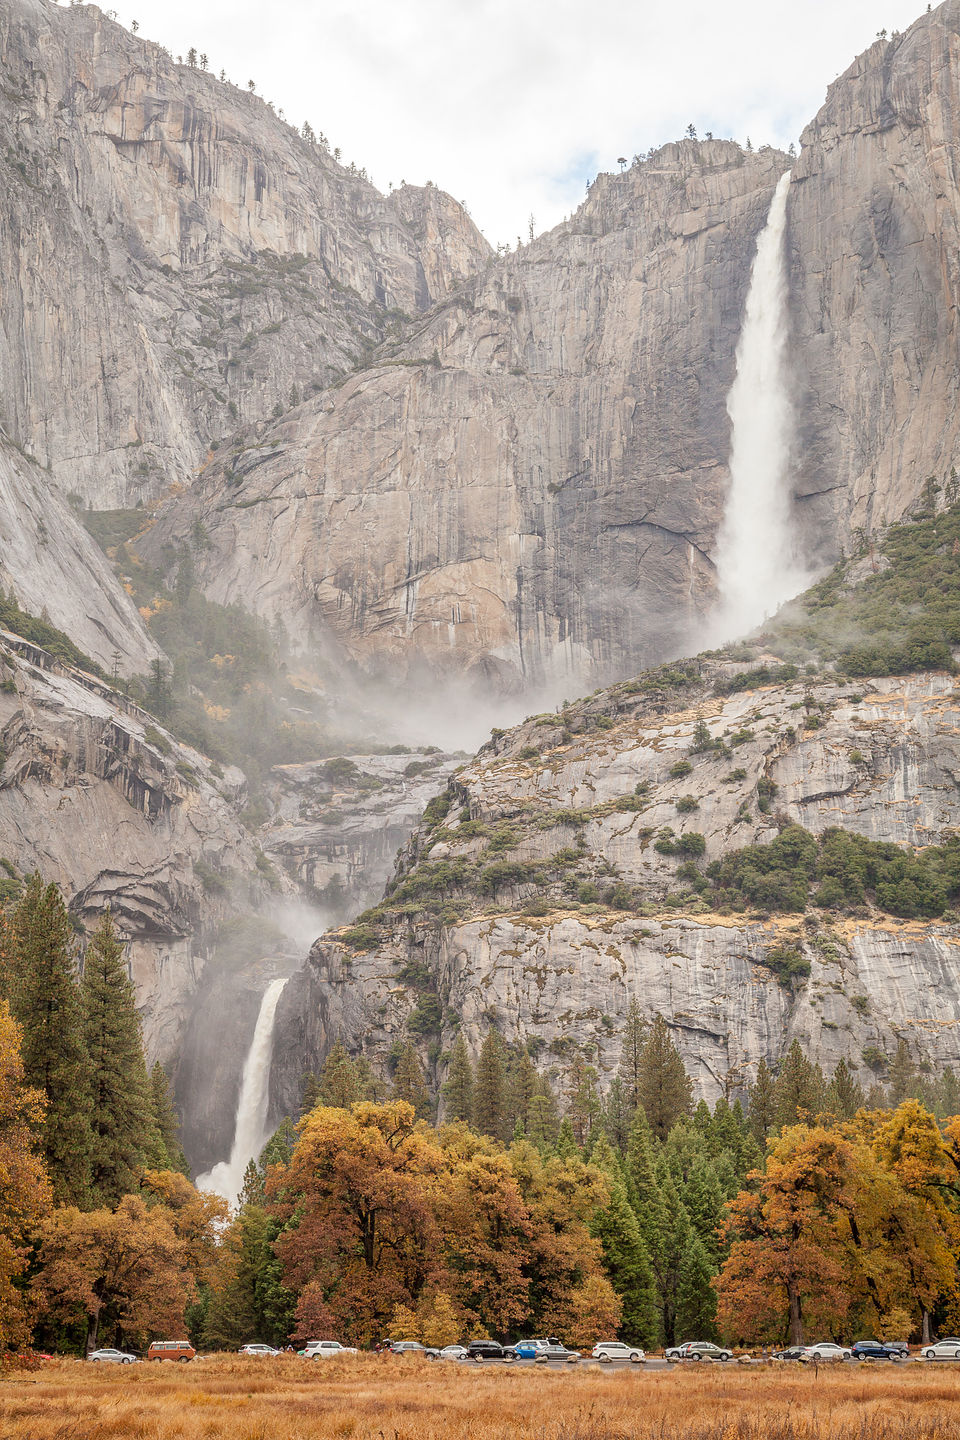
x,y
338,1079
666,1260
844,1096
457,1089
166,1123
631,1053
121,1117
583,1109
543,1119
617,1115
643,1188
948,1100
409,1082
309,1092
902,1079
46,1001
762,1103
566,1146
696,1297
489,1092
704,1202
800,1088
666,1091
521,1084
625,1255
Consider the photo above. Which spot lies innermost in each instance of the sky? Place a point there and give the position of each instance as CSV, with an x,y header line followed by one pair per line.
x,y
513,105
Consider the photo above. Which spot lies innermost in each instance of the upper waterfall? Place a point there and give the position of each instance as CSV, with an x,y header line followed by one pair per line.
x,y
758,566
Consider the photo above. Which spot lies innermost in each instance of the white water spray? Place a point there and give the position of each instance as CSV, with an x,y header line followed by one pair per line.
x,y
757,563
250,1135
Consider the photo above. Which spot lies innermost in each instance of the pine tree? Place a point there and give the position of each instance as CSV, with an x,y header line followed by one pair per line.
x,y
45,1000
521,1084
489,1092
338,1079
696,1297
625,1256
457,1089
704,1202
902,1079
617,1115
666,1091
171,1156
409,1082
309,1092
800,1088
566,1146
844,1096
666,1260
631,1053
543,1119
643,1188
121,1117
762,1103
583,1108
949,1097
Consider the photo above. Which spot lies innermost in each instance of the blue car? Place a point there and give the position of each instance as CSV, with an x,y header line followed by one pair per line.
x,y
529,1349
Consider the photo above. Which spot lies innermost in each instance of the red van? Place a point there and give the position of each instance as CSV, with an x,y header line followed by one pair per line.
x,y
170,1350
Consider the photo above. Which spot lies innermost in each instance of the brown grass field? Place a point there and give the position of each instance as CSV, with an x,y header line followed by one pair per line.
x,y
389,1398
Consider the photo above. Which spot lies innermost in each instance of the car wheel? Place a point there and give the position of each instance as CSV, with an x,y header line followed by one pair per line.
x,y
604,1359
635,1356
696,1357
724,1354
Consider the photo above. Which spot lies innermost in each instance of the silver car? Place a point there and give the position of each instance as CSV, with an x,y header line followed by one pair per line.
x,y
948,1349
112,1357
824,1350
257,1349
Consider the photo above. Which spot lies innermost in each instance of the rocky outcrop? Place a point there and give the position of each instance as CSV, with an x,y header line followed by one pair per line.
x,y
53,566
590,807
175,259
338,824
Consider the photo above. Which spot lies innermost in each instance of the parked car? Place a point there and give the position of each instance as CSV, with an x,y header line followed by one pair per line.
x,y
170,1350
449,1352
257,1349
824,1350
874,1350
697,1350
112,1357
489,1350
617,1350
793,1352
324,1349
946,1349
901,1346
407,1347
529,1349
555,1352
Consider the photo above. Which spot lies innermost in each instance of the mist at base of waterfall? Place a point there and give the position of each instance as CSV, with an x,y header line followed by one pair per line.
x,y
759,564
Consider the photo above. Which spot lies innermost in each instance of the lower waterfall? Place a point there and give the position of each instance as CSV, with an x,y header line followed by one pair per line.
x,y
758,566
250,1134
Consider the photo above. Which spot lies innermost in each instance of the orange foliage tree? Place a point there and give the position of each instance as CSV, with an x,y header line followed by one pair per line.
x,y
122,1269
25,1195
383,1218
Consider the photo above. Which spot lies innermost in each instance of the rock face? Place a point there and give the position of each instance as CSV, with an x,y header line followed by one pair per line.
x,y
100,800
533,493
174,257
886,766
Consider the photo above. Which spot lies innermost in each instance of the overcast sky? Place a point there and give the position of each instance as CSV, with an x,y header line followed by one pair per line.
x,y
512,105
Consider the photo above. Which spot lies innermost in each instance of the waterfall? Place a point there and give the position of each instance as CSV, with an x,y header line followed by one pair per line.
x,y
757,563
250,1134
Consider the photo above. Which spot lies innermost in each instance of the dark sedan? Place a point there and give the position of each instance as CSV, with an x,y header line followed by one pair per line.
x,y
874,1350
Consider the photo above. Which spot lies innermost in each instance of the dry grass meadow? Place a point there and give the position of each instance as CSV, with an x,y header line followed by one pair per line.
x,y
388,1398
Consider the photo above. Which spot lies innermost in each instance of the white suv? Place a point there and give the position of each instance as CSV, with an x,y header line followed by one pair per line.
x,y
322,1349
617,1350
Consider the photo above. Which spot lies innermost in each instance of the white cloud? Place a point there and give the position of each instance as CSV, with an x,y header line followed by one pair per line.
x,y
512,105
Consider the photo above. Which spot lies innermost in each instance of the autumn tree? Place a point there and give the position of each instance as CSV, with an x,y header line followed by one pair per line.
x,y
122,1271
25,1191
122,1127
45,1000
665,1088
